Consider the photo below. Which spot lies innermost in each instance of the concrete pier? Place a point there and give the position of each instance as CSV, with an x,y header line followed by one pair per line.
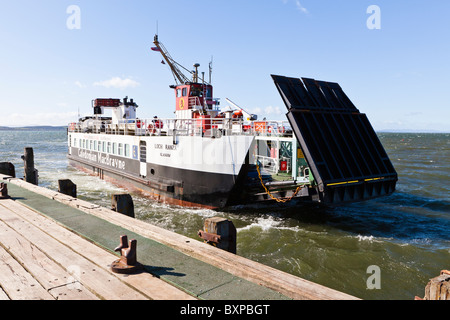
x,y
63,247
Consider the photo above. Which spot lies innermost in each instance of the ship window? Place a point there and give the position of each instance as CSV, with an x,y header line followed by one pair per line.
x,y
178,93
108,149
120,149
114,148
83,145
91,144
127,150
95,145
184,92
99,146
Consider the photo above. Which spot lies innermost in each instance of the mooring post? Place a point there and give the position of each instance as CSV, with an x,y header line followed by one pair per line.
x,y
31,174
7,168
127,263
219,232
438,288
3,191
67,187
123,203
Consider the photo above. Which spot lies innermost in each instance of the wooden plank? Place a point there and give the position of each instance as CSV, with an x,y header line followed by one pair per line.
x,y
49,274
17,282
287,284
149,285
3,295
97,279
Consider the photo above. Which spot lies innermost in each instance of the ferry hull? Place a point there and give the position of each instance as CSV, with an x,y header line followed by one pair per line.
x,y
188,193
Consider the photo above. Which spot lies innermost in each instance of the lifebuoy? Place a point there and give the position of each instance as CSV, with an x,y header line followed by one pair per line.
x,y
158,124
237,114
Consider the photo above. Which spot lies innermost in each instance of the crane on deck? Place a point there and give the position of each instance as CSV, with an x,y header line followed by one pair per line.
x,y
178,75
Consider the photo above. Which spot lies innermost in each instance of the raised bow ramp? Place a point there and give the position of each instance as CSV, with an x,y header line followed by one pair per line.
x,y
340,145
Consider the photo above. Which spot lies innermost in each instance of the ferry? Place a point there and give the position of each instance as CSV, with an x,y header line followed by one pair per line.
x,y
326,151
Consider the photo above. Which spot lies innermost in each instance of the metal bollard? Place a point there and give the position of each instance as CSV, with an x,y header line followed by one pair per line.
x,y
128,257
219,232
3,191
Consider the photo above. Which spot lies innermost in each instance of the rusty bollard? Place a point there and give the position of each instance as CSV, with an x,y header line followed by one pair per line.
x,y
3,191
220,233
128,257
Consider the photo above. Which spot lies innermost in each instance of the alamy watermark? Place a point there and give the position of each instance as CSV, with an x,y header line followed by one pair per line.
x,y
374,280
73,22
374,20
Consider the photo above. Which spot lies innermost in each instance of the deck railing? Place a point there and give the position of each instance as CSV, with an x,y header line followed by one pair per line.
x,y
202,126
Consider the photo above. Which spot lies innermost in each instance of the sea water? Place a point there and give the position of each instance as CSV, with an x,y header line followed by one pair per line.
x,y
386,248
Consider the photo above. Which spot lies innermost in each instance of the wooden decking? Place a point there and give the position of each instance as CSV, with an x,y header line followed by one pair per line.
x,y
53,246
42,260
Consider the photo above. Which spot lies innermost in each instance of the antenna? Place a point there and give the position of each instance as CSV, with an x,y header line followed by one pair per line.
x,y
210,69
195,77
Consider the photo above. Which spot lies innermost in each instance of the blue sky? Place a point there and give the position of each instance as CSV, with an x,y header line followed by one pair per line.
x,y
398,75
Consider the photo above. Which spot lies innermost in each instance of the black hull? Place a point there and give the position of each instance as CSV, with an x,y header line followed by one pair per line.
x,y
170,185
